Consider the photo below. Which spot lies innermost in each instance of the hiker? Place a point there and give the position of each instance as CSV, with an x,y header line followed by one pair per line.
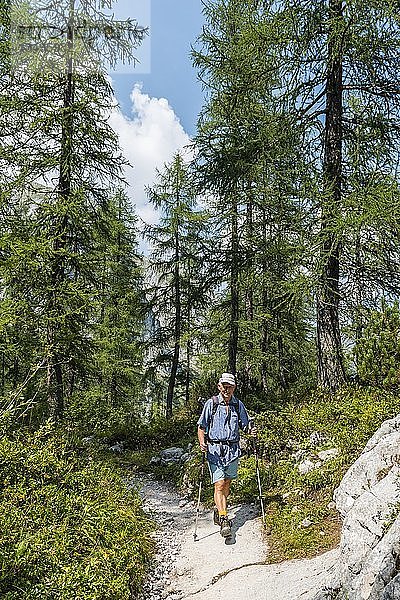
x,y
218,434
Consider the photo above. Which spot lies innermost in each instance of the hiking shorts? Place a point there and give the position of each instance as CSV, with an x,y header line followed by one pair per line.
x,y
218,472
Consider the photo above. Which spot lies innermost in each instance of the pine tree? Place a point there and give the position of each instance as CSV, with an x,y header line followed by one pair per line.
x,y
64,163
176,265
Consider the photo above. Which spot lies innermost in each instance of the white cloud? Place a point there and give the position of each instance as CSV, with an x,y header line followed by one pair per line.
x,y
148,140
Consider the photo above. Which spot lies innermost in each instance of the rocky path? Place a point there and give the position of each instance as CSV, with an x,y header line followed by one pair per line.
x,y
233,568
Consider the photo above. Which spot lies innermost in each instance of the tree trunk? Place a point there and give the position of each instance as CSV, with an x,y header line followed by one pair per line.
x,y
281,353
264,333
249,297
280,305
187,380
331,374
177,328
234,289
188,352
54,360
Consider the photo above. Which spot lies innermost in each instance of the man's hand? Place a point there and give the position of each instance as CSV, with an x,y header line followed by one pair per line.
x,y
251,428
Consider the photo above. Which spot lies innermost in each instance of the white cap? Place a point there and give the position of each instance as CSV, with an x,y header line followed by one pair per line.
x,y
227,378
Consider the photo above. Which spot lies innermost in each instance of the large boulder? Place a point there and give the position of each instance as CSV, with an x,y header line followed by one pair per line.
x,y
368,500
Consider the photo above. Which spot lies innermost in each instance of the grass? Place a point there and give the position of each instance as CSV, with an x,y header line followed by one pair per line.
x,y
345,421
289,539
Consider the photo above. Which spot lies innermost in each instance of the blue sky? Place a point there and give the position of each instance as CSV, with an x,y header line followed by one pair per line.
x,y
159,99
165,68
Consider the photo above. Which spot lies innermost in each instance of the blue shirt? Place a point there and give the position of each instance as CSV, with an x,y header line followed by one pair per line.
x,y
224,425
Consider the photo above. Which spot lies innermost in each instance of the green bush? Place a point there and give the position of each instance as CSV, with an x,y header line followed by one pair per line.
x,y
71,530
377,352
346,421
92,414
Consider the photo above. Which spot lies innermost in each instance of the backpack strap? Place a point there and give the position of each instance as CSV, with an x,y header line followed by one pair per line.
x,y
213,410
215,403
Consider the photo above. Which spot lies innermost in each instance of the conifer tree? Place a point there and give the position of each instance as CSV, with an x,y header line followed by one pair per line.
x,y
73,165
121,305
338,61
176,264
249,158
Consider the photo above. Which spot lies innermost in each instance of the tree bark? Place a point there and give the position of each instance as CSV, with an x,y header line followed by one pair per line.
x,y
249,295
331,373
188,353
264,342
234,289
177,324
55,384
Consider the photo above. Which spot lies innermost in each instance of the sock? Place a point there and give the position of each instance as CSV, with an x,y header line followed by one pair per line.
x,y
223,513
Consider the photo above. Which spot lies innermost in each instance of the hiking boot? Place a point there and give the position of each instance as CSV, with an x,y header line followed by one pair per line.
x,y
216,517
225,527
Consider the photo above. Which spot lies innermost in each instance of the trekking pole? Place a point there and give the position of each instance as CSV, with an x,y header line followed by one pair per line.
x,y
259,483
203,459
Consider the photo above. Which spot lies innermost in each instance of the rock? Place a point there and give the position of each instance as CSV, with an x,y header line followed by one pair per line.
x,y
171,453
299,455
317,439
368,499
155,460
88,440
305,523
171,456
294,492
328,593
327,454
117,447
185,457
307,466
392,590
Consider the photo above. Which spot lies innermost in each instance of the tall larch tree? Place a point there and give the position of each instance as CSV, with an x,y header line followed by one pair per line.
x,y
248,159
69,163
175,263
338,62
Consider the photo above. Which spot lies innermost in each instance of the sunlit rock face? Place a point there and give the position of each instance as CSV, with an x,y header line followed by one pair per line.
x,y
368,500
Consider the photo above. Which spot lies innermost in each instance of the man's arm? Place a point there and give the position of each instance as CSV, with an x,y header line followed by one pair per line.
x,y
247,423
201,434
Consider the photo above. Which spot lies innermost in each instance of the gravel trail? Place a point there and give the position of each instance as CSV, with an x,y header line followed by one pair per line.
x,y
233,568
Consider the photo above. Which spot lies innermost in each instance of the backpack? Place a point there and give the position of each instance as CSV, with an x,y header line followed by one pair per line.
x,y
234,404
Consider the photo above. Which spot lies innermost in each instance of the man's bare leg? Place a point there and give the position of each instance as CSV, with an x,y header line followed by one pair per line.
x,y
221,493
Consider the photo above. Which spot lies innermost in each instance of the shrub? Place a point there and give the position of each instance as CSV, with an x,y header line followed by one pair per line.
x,y
345,420
378,350
71,529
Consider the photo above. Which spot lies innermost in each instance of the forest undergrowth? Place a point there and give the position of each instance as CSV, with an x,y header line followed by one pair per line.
x,y
72,528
